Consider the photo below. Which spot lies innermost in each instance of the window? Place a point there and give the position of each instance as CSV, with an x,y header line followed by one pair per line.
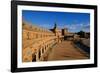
x,y
33,57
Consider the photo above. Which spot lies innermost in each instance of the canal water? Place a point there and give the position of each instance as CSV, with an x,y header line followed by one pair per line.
x,y
83,47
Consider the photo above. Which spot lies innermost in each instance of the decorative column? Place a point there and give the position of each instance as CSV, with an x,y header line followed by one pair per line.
x,y
37,55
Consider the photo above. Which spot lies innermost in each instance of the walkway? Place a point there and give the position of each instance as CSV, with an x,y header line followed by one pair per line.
x,y
65,51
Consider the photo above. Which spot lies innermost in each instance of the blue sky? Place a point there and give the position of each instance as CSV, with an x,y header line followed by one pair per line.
x,y
73,21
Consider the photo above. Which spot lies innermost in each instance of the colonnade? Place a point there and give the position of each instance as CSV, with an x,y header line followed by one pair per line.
x,y
36,43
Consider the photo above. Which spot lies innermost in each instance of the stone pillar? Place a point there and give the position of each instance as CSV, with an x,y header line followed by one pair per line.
x,y
44,48
37,55
41,51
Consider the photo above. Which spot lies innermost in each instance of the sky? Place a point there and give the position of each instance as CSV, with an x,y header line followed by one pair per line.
x,y
75,22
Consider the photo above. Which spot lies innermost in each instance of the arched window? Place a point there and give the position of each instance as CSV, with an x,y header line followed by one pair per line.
x,y
42,50
39,53
33,57
36,35
28,35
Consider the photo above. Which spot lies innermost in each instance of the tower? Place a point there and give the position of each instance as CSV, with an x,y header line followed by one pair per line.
x,y
64,31
55,29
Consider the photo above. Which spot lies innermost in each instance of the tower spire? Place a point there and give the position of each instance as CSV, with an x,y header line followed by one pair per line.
x,y
55,26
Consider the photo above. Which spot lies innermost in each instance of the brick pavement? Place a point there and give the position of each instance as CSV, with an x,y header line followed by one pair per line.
x,y
65,51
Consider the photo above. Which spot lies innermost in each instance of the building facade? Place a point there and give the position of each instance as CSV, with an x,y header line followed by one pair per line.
x,y
37,41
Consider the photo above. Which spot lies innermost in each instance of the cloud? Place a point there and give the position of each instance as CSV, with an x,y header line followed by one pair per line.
x,y
47,26
78,27
86,28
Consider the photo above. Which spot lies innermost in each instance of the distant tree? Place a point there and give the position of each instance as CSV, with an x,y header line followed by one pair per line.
x,y
81,34
23,24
